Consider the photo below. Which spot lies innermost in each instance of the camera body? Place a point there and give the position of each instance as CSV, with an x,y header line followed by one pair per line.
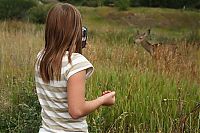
x,y
84,36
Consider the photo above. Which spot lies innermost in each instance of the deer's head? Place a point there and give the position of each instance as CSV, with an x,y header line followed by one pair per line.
x,y
143,40
141,37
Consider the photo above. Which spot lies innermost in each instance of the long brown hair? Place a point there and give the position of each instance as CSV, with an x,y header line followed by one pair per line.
x,y
63,32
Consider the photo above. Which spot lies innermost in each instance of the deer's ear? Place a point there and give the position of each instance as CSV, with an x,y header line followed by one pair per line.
x,y
148,31
137,32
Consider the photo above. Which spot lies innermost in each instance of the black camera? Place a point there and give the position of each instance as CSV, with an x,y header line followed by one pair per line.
x,y
84,36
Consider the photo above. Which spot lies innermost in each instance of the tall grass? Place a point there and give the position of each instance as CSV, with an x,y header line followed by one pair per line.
x,y
151,95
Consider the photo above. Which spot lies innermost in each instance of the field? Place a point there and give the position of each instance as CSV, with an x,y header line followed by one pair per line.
x,y
153,95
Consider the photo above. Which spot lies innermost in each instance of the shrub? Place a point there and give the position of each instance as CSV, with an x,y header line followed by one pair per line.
x,y
38,14
91,3
108,2
122,4
74,2
15,9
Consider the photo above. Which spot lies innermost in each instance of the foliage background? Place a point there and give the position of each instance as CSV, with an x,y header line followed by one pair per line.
x,y
152,95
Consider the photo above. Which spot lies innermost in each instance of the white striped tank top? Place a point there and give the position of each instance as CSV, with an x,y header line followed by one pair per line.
x,y
53,97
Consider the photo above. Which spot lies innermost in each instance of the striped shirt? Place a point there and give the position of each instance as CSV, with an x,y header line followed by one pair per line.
x,y
53,97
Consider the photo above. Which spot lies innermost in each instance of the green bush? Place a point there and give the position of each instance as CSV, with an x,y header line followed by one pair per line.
x,y
74,2
91,3
108,2
15,9
38,14
122,4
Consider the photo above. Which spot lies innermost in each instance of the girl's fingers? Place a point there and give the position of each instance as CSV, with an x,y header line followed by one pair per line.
x,y
105,92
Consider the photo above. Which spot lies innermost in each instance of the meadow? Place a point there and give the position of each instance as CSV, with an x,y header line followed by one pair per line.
x,y
152,96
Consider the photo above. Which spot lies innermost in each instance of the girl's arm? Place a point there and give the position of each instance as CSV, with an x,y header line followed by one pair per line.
x,y
77,105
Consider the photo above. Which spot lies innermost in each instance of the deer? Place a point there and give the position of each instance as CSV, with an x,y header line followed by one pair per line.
x,y
154,49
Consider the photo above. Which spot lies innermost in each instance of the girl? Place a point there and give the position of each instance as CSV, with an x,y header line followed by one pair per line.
x,y
60,74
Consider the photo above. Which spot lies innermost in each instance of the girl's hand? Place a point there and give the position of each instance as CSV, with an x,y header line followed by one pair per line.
x,y
108,98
